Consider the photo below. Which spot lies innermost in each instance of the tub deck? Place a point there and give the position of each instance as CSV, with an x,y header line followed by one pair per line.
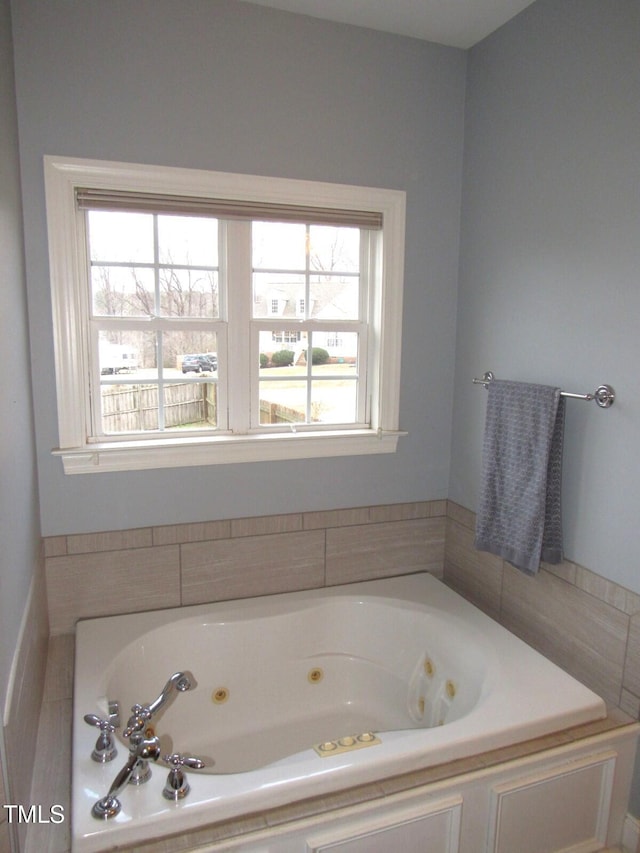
x,y
525,704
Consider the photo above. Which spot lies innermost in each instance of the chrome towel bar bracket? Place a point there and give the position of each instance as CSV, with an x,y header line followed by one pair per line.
x,y
604,395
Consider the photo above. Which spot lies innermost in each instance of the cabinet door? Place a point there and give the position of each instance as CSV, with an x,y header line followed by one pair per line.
x,y
430,827
564,808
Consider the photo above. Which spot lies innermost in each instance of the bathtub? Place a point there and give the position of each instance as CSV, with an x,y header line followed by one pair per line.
x,y
302,694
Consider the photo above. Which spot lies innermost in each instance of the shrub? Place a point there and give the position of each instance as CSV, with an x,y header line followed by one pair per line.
x,y
319,355
264,359
282,358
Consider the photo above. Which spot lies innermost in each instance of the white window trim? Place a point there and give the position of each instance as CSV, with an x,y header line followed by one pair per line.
x,y
68,260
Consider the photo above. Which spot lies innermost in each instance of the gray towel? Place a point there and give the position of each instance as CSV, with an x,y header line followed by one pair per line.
x,y
519,515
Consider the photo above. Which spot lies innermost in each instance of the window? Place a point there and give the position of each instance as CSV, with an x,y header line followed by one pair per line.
x,y
203,317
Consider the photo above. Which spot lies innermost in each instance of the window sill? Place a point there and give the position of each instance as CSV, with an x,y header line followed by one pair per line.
x,y
221,450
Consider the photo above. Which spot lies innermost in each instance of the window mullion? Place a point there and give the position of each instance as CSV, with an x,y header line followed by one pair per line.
x,y
159,332
240,344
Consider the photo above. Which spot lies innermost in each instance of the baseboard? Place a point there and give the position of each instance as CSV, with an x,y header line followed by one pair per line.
x,y
631,834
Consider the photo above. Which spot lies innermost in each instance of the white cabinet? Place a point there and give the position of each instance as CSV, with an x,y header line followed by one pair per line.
x,y
561,808
432,826
569,799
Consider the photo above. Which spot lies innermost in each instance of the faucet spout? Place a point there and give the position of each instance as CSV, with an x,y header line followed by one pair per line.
x,y
180,681
141,714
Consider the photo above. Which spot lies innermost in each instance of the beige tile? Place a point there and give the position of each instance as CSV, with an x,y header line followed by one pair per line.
x,y
253,565
631,680
200,531
52,778
630,704
118,540
372,551
584,635
263,525
5,836
565,570
461,515
475,574
55,546
335,518
320,805
615,595
430,775
102,584
203,837
59,679
21,729
403,512
437,508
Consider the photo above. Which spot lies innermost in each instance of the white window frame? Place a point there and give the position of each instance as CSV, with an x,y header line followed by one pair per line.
x,y
67,258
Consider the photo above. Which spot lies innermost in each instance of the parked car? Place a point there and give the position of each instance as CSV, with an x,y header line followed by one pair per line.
x,y
196,363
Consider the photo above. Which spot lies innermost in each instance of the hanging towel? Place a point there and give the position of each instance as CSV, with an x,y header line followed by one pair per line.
x,y
519,515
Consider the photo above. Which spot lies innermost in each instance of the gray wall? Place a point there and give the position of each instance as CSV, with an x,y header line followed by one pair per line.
x,y
19,527
19,523
235,87
550,255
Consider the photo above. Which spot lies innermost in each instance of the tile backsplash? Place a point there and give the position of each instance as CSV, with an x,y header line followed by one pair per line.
x,y
129,571
585,623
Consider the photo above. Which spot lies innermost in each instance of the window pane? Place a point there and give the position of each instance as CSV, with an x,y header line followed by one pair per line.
x,y
334,354
283,402
189,293
278,295
120,237
278,245
187,401
189,354
127,352
334,249
190,405
333,401
188,241
334,297
122,291
129,408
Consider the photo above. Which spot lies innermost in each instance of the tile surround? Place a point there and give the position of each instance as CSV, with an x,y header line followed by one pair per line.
x,y
128,571
5,831
585,623
251,565
368,551
588,624
107,582
24,702
52,784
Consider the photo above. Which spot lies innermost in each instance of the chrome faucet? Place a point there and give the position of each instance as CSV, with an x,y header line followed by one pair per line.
x,y
142,714
144,749
144,745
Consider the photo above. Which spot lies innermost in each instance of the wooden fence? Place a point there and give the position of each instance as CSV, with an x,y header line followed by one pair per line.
x,y
134,408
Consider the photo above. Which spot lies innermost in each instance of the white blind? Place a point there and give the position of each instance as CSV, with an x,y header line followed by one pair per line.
x,y
109,199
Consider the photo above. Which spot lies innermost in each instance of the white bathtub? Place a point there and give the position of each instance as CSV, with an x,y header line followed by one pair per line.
x,y
406,662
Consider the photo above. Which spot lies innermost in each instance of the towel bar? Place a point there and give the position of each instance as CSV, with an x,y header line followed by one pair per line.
x,y
604,395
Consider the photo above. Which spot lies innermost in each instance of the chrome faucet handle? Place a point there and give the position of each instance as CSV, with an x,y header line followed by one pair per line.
x,y
145,749
105,749
177,786
140,716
